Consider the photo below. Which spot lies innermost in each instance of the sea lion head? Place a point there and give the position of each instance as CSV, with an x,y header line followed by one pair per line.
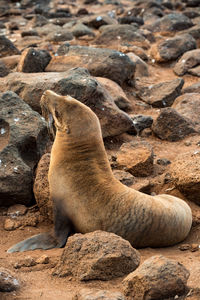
x,y
68,115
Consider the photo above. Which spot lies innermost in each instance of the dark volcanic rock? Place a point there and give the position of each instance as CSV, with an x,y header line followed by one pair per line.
x,y
162,94
170,22
100,62
98,21
157,278
23,138
121,34
172,48
33,60
7,48
140,123
187,61
97,255
77,83
4,71
8,282
172,126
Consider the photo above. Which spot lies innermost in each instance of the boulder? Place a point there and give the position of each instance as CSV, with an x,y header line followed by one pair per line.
x,y
157,278
8,281
121,34
170,23
140,122
172,48
23,139
161,94
172,126
97,255
188,106
60,35
141,68
96,21
136,158
33,60
7,48
100,62
187,61
96,294
4,71
195,71
185,174
77,83
194,88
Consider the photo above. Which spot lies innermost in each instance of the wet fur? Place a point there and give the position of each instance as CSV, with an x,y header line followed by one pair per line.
x,y
87,197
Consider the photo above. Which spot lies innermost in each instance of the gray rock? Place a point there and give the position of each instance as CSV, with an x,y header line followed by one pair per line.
x,y
33,60
172,126
60,35
162,94
107,63
141,68
140,123
8,281
170,22
97,255
4,71
23,136
81,30
39,21
172,48
121,34
7,48
79,84
98,21
95,294
188,106
187,61
157,278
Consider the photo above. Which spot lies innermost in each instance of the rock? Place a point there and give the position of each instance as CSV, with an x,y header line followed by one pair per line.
x,y
29,33
161,94
193,31
98,21
7,48
41,187
97,255
77,83
170,23
96,294
172,126
17,210
4,71
130,20
157,278
184,247
195,71
163,161
44,259
141,68
136,158
172,48
60,35
188,182
99,62
187,61
23,136
116,92
27,261
8,281
188,106
33,60
80,29
10,224
194,88
124,177
10,61
39,21
140,123
121,34
46,29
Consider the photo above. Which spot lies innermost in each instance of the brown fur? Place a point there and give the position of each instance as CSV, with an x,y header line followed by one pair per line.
x,y
87,196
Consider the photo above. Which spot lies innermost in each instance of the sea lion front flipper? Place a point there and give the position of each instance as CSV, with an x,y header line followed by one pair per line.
x,y
40,241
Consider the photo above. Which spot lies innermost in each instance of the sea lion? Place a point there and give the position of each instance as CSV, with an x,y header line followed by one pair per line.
x,y
87,197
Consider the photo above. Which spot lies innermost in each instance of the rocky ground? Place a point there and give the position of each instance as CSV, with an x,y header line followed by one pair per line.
x,y
137,65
